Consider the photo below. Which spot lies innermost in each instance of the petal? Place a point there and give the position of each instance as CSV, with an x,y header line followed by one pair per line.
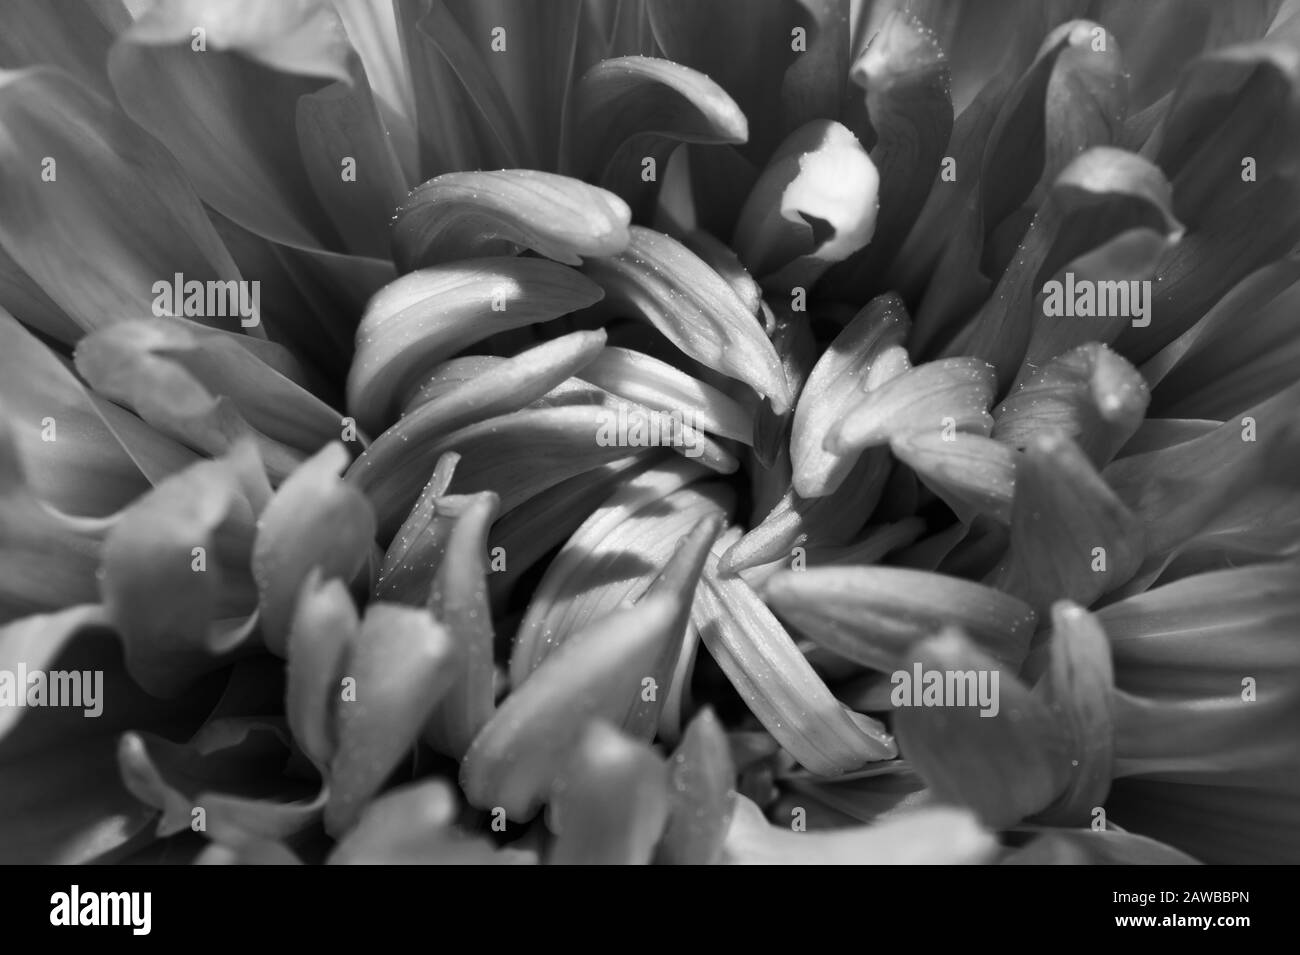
x,y
1178,491
1100,195
75,39
1079,688
516,455
516,758
950,395
1137,255
461,215
838,382
299,36
1003,768
406,575
777,683
414,825
610,802
88,473
1229,103
814,84
532,67
1089,847
49,560
660,280
875,615
459,600
820,522
1220,825
63,801
351,161
701,774
243,162
939,836
96,252
1071,536
1206,668
265,396
547,520
325,622
129,363
1160,38
1089,394
659,386
814,205
388,470
232,770
687,32
1227,361
247,850
909,108
613,557
315,521
174,577
398,666
638,107
427,316
973,474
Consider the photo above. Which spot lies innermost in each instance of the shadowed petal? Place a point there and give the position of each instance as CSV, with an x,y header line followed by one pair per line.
x,y
1091,847
614,556
517,757
662,281
1101,194
909,108
949,395
325,622
1071,536
63,800
232,770
174,577
1089,394
315,522
701,773
875,615
837,383
459,599
973,474
1079,689
1004,767
398,665
610,802
415,825
777,683
634,108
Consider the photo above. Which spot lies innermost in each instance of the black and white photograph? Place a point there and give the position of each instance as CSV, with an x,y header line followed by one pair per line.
x,y
650,432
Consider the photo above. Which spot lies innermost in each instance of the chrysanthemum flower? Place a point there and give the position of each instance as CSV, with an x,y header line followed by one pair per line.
x,y
621,431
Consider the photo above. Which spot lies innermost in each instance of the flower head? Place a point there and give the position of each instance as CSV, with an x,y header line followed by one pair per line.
x,y
650,431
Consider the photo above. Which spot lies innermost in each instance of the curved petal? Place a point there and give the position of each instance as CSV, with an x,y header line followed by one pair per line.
x,y
610,802
315,521
660,280
461,215
429,315
635,108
